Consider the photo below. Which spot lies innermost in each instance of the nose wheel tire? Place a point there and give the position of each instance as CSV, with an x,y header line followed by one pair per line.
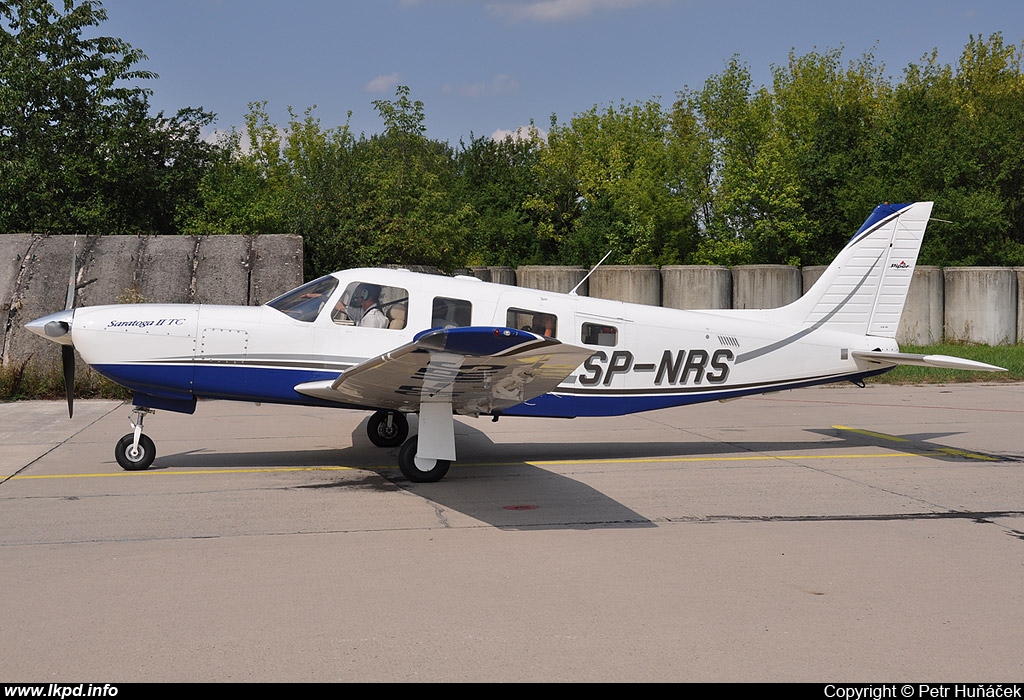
x,y
387,428
135,460
427,471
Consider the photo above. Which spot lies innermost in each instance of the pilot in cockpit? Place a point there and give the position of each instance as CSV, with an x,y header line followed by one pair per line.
x,y
364,307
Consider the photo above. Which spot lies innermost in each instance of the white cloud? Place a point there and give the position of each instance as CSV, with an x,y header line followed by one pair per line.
x,y
501,84
521,133
383,83
555,10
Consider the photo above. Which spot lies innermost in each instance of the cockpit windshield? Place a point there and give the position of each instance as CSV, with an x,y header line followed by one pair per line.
x,y
304,303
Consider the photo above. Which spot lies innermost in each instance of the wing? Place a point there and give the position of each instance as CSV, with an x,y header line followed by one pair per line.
x,y
478,369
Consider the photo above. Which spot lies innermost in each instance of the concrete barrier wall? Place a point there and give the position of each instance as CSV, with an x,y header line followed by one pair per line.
x,y
551,278
639,284
502,275
696,287
481,272
978,305
1020,303
981,305
765,286
923,314
809,275
119,269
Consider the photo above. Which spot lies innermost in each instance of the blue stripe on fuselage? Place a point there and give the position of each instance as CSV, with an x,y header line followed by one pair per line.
x,y
273,385
556,405
229,382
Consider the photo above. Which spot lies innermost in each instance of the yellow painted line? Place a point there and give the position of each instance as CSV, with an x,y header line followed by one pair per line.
x,y
550,462
952,451
871,433
963,453
167,472
749,458
538,463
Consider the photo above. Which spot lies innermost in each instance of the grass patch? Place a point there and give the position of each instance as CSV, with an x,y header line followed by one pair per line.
x,y
1009,356
30,381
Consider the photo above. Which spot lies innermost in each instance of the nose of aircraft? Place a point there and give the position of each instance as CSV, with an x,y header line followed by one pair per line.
x,y
55,327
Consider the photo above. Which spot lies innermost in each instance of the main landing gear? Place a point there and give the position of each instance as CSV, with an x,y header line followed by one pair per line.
x,y
387,428
390,429
420,470
135,451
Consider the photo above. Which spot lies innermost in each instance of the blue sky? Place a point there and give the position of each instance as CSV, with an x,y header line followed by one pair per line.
x,y
490,65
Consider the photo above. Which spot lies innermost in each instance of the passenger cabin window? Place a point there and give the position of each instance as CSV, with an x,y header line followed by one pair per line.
x,y
451,313
304,303
534,321
599,334
372,305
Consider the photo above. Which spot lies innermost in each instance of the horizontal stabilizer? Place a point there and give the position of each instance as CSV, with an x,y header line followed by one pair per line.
x,y
902,358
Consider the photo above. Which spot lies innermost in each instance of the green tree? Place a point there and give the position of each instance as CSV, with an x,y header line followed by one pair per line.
x,y
496,178
404,209
733,123
953,134
243,193
321,194
827,115
80,149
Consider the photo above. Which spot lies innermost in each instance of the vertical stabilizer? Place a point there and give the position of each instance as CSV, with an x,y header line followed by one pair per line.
x,y
864,289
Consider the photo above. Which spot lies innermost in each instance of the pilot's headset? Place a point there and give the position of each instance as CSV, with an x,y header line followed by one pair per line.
x,y
354,307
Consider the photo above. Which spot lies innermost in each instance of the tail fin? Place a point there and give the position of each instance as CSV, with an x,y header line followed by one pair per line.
x,y
865,287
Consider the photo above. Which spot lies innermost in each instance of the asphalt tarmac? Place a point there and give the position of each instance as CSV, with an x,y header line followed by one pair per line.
x,y
830,534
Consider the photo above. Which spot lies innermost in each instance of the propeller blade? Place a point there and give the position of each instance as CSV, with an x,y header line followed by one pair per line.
x,y
69,301
67,359
67,352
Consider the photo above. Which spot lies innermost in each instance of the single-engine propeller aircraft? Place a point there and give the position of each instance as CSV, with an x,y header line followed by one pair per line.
x,y
397,342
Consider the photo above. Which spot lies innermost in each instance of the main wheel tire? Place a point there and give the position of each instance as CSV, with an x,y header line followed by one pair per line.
x,y
383,435
407,463
139,461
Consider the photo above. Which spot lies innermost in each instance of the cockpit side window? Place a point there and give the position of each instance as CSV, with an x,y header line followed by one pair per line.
x,y
538,322
450,313
304,303
372,305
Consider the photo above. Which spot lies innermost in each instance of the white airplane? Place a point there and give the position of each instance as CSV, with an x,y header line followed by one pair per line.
x,y
397,342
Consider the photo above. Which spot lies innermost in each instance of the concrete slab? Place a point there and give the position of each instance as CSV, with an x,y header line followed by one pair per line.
x,y
830,535
42,289
165,269
222,270
13,248
276,267
107,270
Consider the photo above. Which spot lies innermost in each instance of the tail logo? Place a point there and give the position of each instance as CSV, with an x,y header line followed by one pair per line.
x,y
901,265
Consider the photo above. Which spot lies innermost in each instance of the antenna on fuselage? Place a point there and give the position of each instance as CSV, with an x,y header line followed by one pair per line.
x,y
587,276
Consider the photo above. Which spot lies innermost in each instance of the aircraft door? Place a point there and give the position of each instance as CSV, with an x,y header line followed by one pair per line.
x,y
548,317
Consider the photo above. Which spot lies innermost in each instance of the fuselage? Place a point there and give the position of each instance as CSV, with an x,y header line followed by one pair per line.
x,y
643,357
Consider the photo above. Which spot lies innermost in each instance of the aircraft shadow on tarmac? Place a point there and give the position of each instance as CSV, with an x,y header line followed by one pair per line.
x,y
918,443
507,485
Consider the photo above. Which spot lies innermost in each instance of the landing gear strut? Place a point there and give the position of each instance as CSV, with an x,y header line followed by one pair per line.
x,y
135,451
387,428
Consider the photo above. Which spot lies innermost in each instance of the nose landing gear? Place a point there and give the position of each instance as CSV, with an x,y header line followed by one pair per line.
x,y
135,451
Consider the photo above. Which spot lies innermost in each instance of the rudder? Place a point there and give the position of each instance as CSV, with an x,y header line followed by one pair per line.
x,y
865,288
